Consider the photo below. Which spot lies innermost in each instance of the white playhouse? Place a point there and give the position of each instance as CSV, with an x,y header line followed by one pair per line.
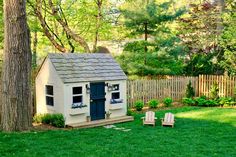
x,y
83,87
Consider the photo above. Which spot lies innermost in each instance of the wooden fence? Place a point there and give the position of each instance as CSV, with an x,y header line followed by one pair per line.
x,y
175,87
146,90
225,84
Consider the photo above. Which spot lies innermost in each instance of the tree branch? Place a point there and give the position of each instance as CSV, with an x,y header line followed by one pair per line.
x,y
65,26
46,29
67,35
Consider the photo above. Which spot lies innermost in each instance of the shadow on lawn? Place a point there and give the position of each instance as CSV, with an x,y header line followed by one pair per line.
x,y
198,132
191,136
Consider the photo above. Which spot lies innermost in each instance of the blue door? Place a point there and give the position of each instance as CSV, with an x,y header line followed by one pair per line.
x,y
97,100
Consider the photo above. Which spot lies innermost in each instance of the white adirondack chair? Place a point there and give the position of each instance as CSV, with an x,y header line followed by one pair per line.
x,y
169,119
149,118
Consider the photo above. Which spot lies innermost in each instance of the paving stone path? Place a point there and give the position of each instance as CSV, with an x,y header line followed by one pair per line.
x,y
117,128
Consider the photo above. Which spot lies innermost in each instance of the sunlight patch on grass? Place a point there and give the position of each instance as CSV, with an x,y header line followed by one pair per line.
x,y
194,114
211,114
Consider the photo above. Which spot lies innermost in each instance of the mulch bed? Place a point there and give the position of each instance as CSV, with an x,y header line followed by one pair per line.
x,y
160,107
45,127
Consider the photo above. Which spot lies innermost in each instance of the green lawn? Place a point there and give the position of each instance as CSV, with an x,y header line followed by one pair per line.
x,y
198,132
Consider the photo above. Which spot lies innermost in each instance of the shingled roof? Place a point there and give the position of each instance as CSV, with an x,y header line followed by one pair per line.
x,y
75,67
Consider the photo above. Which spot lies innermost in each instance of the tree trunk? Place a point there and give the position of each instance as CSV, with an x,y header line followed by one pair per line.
x,y
220,7
145,35
98,24
35,43
34,71
145,38
16,93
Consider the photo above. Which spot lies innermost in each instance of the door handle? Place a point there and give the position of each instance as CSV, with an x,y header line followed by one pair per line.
x,y
91,100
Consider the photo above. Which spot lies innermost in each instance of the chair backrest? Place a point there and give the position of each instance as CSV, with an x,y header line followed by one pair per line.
x,y
169,118
150,116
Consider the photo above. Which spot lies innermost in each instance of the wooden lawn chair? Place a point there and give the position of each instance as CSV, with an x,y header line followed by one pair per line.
x,y
169,120
149,118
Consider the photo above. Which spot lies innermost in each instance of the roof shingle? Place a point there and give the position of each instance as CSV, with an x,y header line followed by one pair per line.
x,y
75,67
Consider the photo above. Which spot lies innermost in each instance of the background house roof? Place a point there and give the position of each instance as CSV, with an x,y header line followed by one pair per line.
x,y
74,67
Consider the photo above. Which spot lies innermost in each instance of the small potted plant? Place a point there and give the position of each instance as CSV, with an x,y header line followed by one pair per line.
x,y
108,114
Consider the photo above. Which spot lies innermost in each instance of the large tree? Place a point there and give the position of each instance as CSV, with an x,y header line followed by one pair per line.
x,y
159,51
1,23
16,104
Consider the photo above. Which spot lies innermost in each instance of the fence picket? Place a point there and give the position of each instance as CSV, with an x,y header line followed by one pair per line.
x,y
175,87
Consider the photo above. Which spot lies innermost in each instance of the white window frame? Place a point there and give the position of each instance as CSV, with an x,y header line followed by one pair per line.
x,y
74,95
113,101
49,95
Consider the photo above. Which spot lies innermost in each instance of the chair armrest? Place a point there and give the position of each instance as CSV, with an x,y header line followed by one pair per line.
x,y
155,117
142,117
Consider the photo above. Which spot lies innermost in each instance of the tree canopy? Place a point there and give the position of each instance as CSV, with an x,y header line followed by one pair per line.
x,y
152,37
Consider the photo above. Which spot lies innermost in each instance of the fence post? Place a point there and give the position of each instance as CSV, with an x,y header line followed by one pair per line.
x,y
175,87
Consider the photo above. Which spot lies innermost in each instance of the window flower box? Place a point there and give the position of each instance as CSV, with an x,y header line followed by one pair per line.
x,y
116,101
78,110
78,105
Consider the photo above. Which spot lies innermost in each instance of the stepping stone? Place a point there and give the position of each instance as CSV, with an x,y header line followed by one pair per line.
x,y
109,126
126,130
119,128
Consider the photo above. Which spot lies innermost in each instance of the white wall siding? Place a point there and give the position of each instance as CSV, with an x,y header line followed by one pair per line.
x,y
118,109
79,115
76,115
48,76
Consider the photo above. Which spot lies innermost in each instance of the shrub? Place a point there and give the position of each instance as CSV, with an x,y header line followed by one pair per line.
x,y
226,101
214,91
188,101
46,119
153,103
167,101
201,101
38,118
56,120
139,105
211,103
129,112
189,90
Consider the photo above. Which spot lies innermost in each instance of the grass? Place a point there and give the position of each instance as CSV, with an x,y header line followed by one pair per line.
x,y
198,132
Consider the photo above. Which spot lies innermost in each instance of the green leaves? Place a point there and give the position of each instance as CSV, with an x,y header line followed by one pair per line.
x,y
228,43
202,64
161,53
152,15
